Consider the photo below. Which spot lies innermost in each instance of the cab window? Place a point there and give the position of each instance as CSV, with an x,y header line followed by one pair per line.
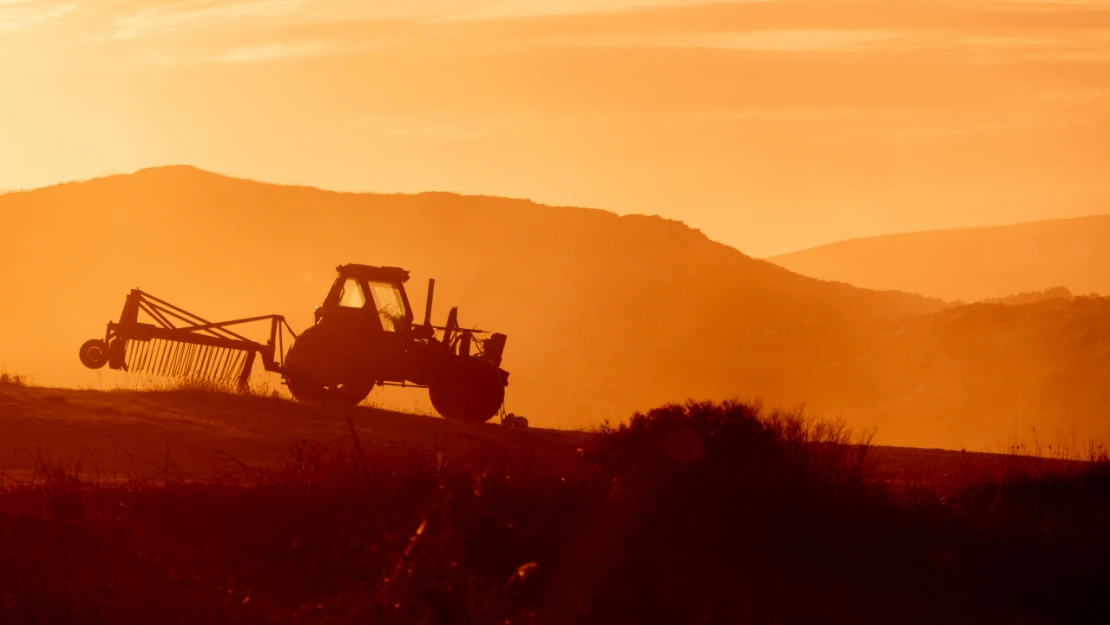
x,y
390,305
351,296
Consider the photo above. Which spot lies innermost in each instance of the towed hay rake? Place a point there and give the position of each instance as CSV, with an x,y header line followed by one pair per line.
x,y
178,343
364,336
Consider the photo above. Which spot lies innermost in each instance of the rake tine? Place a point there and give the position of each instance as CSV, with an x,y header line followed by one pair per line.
x,y
186,360
163,349
232,356
175,347
183,361
229,363
155,355
167,361
176,361
137,357
245,368
155,349
208,357
151,356
213,362
236,368
191,361
167,352
143,356
237,371
240,367
226,369
162,355
159,349
214,371
151,350
202,362
198,354
229,355
215,365
220,356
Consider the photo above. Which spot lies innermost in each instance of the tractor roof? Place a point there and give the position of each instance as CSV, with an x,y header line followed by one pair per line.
x,y
374,273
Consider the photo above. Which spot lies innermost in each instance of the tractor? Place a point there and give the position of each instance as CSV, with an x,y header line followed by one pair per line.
x,y
363,336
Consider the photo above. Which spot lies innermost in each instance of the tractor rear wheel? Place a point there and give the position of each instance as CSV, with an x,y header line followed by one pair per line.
x,y
472,393
318,370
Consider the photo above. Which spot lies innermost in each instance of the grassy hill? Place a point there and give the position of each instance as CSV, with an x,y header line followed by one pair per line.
x,y
970,264
605,314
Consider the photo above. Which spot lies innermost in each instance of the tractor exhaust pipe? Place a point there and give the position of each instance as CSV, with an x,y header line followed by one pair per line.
x,y
428,306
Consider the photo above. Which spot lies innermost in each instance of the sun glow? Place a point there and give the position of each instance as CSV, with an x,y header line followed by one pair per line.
x,y
770,125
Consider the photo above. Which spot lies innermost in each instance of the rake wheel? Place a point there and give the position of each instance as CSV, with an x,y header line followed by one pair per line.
x,y
94,354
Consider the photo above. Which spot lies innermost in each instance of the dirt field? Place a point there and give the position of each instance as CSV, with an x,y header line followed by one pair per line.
x,y
197,434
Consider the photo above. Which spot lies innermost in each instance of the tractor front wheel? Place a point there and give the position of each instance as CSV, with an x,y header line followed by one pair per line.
x,y
471,393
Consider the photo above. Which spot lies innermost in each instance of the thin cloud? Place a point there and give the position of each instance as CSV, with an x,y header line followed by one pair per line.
x,y
755,40
151,21
502,9
21,14
263,52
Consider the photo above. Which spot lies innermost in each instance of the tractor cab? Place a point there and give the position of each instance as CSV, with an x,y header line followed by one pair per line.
x,y
375,295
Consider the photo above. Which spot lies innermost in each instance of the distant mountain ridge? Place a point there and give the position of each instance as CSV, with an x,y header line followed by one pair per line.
x,y
970,264
1059,292
605,314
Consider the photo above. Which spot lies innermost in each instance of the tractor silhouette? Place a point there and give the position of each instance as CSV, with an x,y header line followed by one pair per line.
x,y
363,336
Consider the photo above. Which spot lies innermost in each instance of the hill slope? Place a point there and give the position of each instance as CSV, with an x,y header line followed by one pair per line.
x,y
970,264
605,314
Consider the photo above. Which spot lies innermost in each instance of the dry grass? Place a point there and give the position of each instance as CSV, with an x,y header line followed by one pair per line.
x,y
699,513
262,388
14,379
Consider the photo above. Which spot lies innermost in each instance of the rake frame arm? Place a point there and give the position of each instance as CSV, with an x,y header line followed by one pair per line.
x,y
173,323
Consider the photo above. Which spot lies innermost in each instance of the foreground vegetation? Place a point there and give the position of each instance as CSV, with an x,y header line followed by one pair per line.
x,y
702,513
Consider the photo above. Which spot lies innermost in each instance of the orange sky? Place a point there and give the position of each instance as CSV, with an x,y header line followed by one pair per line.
x,y
770,125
